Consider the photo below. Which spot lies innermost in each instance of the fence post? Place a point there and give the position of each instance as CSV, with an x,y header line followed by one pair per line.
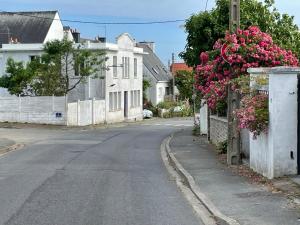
x,y
20,109
66,110
93,111
78,112
234,140
53,103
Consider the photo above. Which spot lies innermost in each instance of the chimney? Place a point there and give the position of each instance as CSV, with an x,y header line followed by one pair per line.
x,y
76,35
150,44
101,39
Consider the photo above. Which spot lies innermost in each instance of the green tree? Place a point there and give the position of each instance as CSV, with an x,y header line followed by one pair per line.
x,y
19,77
184,81
205,28
65,66
146,85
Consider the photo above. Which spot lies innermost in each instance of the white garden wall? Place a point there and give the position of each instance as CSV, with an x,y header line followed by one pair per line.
x,y
83,113
203,118
275,154
43,110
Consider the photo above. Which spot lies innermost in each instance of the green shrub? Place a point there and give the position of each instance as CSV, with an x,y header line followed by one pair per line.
x,y
222,147
167,105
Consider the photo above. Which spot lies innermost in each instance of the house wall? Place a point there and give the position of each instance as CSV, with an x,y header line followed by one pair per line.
x,y
43,110
126,49
56,30
160,96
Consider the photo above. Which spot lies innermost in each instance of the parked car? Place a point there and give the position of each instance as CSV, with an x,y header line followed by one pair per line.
x,y
147,113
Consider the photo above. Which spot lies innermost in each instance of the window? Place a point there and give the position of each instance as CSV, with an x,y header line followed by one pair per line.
x,y
110,101
119,100
167,90
135,98
135,67
102,70
123,67
115,67
33,57
160,92
114,101
126,67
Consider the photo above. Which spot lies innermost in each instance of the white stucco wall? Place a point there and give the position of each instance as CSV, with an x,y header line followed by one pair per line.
x,y
203,117
41,110
160,96
125,48
270,154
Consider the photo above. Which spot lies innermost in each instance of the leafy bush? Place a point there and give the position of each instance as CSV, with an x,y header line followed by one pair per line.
x,y
167,105
222,147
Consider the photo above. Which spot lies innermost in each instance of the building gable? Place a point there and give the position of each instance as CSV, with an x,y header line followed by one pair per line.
x,y
25,27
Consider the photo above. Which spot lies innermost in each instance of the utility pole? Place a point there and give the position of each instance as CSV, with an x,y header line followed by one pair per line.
x,y
173,81
235,15
234,136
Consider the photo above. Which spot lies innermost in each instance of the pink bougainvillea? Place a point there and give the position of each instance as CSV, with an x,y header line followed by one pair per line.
x,y
248,48
254,114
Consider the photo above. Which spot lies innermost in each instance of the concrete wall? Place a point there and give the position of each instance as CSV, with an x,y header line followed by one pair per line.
x,y
218,129
275,154
203,118
83,113
43,110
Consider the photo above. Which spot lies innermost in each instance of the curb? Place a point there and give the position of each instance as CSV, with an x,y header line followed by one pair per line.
x,y
190,182
6,150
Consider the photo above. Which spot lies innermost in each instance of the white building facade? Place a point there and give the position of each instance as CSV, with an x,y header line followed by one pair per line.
x,y
121,79
122,82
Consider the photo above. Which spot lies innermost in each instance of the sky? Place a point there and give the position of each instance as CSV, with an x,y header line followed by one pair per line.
x,y
169,38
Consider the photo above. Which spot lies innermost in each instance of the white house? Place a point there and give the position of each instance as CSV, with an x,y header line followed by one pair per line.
x,y
155,72
122,83
22,35
121,75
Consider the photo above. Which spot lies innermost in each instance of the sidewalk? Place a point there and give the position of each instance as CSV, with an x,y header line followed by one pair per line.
x,y
234,196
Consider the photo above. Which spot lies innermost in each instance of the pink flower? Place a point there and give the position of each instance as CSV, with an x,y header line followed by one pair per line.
x,y
204,57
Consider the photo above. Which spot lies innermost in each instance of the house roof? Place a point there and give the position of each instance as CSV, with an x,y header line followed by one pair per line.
x,y
178,67
154,64
26,27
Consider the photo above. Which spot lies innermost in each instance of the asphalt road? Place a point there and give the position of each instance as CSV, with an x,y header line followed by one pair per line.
x,y
89,177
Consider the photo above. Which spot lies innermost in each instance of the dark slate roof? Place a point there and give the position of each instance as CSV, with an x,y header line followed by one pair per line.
x,y
154,64
27,27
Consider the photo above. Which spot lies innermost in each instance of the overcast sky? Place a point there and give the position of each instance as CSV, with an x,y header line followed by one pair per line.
x,y
168,37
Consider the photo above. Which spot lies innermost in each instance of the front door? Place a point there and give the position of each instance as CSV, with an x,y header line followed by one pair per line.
x,y
125,104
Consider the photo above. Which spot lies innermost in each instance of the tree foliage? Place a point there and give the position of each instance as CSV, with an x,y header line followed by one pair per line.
x,y
61,68
184,82
205,28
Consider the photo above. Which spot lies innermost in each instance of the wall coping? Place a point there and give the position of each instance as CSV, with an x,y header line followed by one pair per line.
x,y
222,119
285,70
274,70
259,70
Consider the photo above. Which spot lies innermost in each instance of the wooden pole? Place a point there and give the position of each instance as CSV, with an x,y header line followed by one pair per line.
x,y
233,98
235,15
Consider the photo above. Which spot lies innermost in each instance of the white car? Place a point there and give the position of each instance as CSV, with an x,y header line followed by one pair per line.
x,y
147,113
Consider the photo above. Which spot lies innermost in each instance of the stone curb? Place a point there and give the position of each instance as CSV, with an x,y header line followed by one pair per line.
x,y
5,150
190,182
